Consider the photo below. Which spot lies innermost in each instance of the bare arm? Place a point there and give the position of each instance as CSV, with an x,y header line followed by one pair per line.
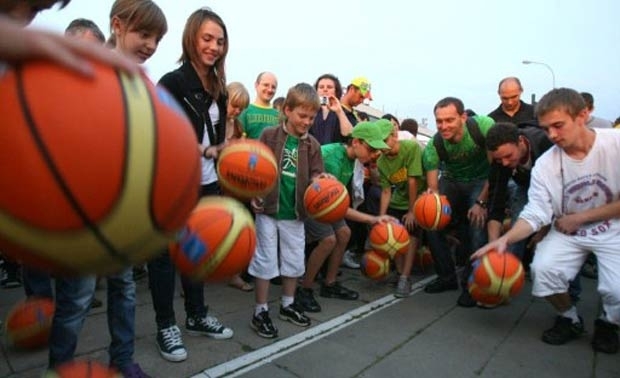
x,y
358,216
518,232
432,180
384,202
346,128
494,229
570,223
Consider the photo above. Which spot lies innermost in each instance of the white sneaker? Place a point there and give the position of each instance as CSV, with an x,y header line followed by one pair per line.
x,y
170,344
348,260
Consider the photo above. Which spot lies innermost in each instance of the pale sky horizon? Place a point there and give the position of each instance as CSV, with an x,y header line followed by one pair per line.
x,y
414,53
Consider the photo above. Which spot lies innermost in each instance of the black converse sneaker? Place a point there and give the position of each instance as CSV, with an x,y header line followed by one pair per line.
x,y
263,326
207,326
170,344
295,315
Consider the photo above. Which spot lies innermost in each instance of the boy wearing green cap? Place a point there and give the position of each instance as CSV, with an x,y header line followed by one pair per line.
x,y
402,179
365,145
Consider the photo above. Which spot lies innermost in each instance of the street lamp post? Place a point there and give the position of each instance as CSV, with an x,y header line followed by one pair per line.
x,y
543,64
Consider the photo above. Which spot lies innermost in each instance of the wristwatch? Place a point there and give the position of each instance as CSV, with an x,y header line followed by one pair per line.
x,y
482,204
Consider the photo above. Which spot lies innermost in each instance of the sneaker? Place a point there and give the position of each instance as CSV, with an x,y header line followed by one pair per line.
x,y
9,280
336,290
134,371
465,300
348,260
170,344
439,285
403,289
295,315
208,326
563,331
605,337
263,326
305,298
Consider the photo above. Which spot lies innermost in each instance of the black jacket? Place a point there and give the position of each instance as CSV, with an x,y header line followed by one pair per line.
x,y
500,175
186,88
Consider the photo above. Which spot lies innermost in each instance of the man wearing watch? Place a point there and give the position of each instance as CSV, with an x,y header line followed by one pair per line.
x,y
458,150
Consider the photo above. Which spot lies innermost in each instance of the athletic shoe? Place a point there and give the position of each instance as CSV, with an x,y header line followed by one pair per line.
x,y
439,285
605,337
465,299
336,290
295,315
563,331
305,298
348,260
403,289
170,344
134,371
207,326
263,325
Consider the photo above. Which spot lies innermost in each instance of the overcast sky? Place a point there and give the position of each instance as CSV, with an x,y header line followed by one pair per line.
x,y
413,52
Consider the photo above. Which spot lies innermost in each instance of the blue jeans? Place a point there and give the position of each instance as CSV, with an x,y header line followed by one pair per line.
x,y
518,198
462,196
73,297
121,317
37,283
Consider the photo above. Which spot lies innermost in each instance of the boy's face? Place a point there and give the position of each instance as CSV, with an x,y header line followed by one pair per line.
x,y
363,152
561,128
299,119
392,142
25,11
508,155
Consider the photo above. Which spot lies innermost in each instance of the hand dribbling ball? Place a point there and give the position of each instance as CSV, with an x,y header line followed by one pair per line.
x,y
327,200
96,173
29,322
374,265
432,211
389,238
218,241
496,277
247,168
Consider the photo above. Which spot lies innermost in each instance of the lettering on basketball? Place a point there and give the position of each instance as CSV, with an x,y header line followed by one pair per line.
x,y
238,179
327,199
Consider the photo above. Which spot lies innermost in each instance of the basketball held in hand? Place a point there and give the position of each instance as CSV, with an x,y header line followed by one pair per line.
x,y
327,200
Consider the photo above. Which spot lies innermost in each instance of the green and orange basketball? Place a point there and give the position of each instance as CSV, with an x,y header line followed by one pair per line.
x,y
389,238
218,241
374,265
96,173
497,276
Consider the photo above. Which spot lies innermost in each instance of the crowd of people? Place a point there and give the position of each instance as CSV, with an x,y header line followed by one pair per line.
x,y
550,167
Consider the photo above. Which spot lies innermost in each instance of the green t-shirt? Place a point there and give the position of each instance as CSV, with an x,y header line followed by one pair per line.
x,y
394,171
337,162
288,179
256,118
468,162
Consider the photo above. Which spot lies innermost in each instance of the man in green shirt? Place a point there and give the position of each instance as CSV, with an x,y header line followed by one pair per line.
x,y
260,114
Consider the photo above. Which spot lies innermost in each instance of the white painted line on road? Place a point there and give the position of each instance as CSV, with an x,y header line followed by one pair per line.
x,y
262,356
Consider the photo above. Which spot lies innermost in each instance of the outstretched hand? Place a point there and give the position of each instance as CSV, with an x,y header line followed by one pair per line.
x,y
20,45
499,245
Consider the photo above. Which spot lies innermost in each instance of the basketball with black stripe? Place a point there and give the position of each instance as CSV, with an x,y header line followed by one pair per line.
x,y
432,211
95,173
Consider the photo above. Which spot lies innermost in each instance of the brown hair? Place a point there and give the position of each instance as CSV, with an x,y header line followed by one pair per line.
x,y
138,15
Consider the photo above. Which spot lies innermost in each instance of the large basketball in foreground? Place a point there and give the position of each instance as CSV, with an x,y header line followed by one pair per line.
x,y
326,200
375,265
29,322
432,211
496,277
247,168
389,238
96,173
83,369
218,241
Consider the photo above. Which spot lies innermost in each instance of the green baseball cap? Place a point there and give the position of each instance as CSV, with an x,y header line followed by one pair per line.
x,y
370,133
385,126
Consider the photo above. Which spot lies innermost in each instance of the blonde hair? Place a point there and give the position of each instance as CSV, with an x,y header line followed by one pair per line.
x,y
138,15
238,95
216,75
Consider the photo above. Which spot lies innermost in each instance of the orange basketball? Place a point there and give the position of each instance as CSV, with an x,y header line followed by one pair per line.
x,y
218,242
375,265
247,168
96,173
326,200
29,322
389,238
432,211
498,275
84,369
423,258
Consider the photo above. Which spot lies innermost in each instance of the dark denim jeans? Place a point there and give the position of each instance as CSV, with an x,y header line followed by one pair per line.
x,y
462,197
121,317
37,283
73,297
